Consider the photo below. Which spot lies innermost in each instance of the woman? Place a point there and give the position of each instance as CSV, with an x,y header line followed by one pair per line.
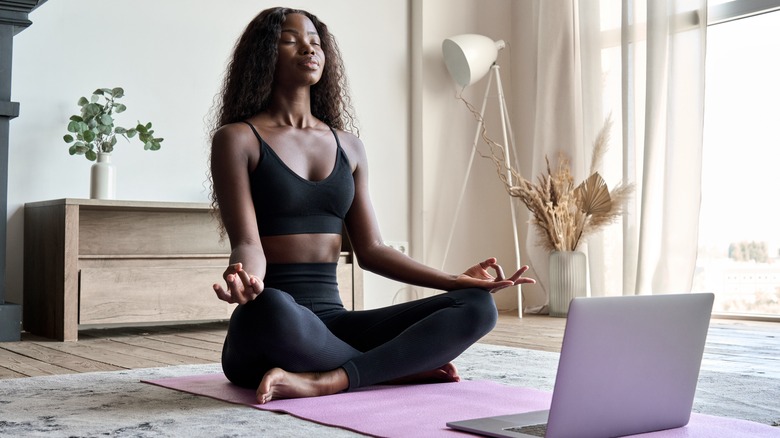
x,y
286,177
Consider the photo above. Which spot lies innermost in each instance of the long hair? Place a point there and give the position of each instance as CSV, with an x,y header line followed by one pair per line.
x,y
249,77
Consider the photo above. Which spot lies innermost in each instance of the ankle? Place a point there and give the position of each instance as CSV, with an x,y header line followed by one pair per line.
x,y
336,380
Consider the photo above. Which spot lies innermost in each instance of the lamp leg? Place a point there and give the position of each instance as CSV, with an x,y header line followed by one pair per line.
x,y
506,128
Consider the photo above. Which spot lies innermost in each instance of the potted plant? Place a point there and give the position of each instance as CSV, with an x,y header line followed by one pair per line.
x,y
565,213
93,133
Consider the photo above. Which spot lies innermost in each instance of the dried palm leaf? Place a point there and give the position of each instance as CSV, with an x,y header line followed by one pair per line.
x,y
593,196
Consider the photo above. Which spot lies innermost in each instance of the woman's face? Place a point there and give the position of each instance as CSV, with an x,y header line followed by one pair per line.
x,y
300,60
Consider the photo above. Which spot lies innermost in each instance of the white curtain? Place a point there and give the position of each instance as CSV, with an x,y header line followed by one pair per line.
x,y
642,63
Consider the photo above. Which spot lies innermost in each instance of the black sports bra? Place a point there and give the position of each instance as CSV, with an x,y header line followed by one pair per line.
x,y
286,203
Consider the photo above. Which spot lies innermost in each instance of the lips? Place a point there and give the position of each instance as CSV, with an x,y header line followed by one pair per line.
x,y
310,63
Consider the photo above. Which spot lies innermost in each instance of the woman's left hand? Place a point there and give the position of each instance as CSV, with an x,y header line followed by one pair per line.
x,y
479,276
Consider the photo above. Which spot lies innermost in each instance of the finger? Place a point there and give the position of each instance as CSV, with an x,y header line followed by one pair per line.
x,y
231,269
236,288
222,294
499,272
524,280
253,289
256,285
219,291
519,273
490,261
245,278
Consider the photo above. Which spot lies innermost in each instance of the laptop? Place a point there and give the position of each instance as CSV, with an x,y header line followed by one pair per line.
x,y
628,365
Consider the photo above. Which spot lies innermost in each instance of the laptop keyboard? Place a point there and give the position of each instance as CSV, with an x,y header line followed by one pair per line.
x,y
533,429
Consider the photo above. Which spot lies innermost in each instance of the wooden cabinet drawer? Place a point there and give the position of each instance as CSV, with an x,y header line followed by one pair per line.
x,y
135,290
132,293
142,232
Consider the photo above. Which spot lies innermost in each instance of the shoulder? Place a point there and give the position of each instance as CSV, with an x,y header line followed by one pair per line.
x,y
234,143
233,135
353,146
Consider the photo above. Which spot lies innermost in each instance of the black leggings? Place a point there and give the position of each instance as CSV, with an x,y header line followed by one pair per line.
x,y
299,324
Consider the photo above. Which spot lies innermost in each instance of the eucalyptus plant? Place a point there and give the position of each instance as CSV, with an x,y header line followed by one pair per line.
x,y
94,131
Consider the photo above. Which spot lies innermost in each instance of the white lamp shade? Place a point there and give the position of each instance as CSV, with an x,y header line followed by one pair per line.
x,y
469,56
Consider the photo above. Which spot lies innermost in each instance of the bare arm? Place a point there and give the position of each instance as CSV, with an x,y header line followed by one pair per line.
x,y
233,152
373,255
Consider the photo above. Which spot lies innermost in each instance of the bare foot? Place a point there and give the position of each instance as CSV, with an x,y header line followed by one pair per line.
x,y
278,383
443,374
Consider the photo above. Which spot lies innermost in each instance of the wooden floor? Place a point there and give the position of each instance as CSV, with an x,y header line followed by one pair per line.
x,y
730,345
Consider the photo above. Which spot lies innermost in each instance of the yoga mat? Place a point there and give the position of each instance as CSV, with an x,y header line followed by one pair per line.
x,y
424,410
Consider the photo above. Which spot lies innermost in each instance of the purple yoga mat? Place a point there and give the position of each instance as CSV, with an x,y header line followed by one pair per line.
x,y
424,410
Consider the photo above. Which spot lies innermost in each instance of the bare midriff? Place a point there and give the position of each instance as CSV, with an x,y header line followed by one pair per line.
x,y
302,248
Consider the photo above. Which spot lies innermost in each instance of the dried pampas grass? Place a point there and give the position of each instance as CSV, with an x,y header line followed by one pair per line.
x,y
563,214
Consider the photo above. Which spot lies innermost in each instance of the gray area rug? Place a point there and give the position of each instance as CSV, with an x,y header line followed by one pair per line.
x,y
116,404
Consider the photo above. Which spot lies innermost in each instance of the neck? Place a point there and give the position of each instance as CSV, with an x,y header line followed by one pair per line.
x,y
292,108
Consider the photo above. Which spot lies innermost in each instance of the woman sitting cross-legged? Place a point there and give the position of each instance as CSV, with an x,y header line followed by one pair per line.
x,y
287,177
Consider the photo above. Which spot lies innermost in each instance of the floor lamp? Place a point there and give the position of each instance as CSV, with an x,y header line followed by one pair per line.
x,y
469,57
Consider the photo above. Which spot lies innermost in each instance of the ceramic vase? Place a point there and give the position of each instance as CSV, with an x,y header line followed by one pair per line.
x,y
568,276
103,178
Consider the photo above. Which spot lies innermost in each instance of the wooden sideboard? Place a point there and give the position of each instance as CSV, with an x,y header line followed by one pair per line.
x,y
94,262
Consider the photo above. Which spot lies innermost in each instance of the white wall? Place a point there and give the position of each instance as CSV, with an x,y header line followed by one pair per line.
x,y
169,56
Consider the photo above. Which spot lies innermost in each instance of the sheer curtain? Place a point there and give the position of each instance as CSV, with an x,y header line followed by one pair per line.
x,y
640,62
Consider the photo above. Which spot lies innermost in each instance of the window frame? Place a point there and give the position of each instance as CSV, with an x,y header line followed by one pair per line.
x,y
722,13
738,9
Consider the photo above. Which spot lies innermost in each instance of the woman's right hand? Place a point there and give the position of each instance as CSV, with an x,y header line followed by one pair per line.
x,y
241,286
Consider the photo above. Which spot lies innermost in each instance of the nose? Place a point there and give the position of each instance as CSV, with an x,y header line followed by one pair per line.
x,y
307,49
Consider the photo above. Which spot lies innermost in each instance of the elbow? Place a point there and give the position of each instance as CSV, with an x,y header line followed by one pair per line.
x,y
365,265
370,258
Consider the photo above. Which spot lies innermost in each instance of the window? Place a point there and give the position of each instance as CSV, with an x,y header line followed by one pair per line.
x,y
739,233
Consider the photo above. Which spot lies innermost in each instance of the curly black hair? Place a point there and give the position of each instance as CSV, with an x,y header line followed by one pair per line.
x,y
249,78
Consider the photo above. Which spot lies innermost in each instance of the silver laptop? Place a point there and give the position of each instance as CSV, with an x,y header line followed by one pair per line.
x,y
628,365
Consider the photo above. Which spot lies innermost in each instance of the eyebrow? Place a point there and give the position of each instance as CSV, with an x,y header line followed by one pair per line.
x,y
312,33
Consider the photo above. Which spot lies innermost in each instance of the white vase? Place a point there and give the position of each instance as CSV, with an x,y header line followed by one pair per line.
x,y
568,276
103,178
